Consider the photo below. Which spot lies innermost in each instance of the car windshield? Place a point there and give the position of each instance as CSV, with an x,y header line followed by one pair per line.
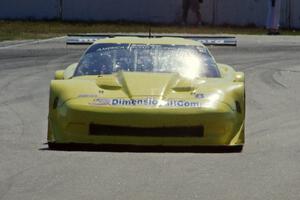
x,y
187,61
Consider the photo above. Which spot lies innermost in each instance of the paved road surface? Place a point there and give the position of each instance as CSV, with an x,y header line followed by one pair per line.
x,y
268,168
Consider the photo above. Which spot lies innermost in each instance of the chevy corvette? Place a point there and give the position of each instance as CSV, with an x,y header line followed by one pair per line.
x,y
148,91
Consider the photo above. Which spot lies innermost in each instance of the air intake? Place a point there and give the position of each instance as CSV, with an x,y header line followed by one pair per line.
x,y
103,130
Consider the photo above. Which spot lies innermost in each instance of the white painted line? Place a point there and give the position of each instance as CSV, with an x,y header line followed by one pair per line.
x,y
32,42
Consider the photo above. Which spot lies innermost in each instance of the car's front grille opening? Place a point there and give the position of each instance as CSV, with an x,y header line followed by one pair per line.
x,y
104,130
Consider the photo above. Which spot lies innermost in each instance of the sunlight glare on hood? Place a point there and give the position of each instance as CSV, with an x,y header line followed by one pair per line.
x,y
213,99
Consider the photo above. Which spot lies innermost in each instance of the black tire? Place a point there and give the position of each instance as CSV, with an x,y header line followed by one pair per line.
x,y
237,149
54,146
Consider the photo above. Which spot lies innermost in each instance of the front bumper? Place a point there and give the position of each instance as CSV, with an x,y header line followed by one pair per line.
x,y
220,126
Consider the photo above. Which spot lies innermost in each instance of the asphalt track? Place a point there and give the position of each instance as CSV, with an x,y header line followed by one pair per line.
x,y
268,168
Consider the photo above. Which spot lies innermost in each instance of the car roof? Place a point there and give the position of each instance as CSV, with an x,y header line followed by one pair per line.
x,y
151,40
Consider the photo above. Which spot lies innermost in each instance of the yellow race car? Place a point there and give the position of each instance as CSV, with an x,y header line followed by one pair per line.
x,y
147,91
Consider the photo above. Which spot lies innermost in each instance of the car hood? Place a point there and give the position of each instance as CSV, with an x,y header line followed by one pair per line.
x,y
137,85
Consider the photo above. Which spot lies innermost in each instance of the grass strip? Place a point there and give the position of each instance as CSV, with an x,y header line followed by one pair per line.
x,y
22,30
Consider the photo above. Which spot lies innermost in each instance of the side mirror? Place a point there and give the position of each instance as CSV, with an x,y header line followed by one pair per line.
x,y
59,75
239,77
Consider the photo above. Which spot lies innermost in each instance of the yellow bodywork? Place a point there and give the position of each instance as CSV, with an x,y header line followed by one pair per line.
x,y
143,100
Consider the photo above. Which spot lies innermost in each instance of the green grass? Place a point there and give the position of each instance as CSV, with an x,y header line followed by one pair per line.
x,y
20,30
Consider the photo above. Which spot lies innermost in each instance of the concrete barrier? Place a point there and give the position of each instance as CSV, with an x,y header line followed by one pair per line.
x,y
29,9
119,10
237,12
215,12
295,14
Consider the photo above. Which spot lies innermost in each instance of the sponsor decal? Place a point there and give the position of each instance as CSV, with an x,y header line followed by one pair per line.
x,y
211,41
146,102
87,96
86,40
199,95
